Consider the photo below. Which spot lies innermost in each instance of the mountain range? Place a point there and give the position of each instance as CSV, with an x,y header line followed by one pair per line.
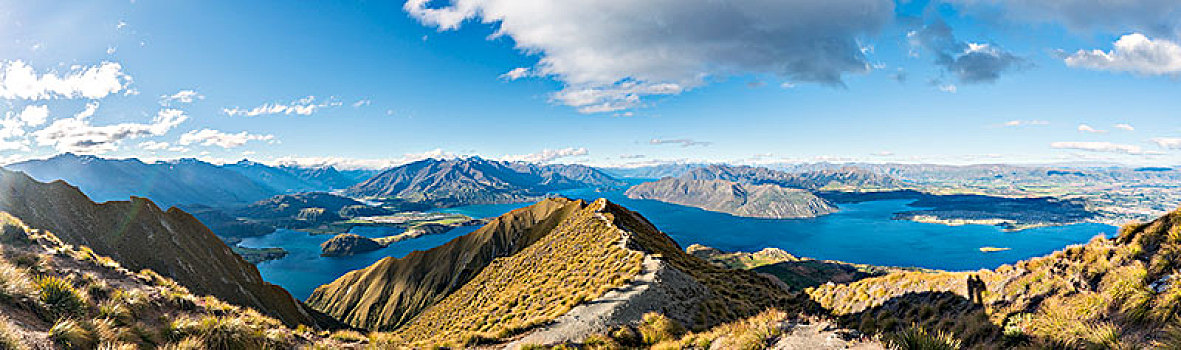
x,y
182,181
768,201
474,180
588,274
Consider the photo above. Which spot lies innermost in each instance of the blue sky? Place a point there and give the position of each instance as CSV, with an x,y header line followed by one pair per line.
x,y
372,83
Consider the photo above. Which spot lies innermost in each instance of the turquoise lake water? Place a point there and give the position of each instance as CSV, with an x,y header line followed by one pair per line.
x,y
861,233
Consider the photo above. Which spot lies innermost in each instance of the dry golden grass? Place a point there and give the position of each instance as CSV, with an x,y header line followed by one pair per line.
x,y
578,261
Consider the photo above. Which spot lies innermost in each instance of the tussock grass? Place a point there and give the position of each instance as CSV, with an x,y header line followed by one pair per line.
x,y
15,282
579,261
916,338
70,334
59,297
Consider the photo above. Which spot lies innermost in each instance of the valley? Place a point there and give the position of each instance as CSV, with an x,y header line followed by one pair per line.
x,y
416,275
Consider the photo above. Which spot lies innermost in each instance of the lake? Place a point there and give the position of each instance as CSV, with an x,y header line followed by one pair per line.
x,y
861,233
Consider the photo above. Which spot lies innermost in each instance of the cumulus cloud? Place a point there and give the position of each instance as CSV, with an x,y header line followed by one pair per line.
x,y
79,136
611,54
1167,142
1156,16
516,73
1088,129
182,96
1106,147
303,106
969,62
34,115
362,103
210,137
1019,123
548,155
19,81
682,142
1132,53
1125,127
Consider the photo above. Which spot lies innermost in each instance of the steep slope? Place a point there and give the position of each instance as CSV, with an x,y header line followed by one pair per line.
x,y
1119,293
584,269
390,292
61,296
759,201
141,236
185,181
474,180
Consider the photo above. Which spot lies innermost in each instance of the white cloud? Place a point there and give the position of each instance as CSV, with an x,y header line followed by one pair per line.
x,y
1133,53
610,54
1106,147
682,142
548,155
210,137
78,135
34,115
182,96
1088,129
362,103
1125,127
516,73
1018,123
882,154
19,81
1168,142
153,145
303,106
948,88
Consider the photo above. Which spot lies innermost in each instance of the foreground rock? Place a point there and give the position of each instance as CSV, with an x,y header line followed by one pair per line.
x,y
756,201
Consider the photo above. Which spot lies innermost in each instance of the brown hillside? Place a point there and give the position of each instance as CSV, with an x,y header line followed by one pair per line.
x,y
141,236
392,291
1117,293
573,262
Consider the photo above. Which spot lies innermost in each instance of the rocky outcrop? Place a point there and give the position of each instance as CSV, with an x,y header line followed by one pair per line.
x,y
140,235
759,201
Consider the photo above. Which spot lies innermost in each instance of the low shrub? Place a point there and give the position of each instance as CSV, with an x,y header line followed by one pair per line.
x,y
69,334
915,338
655,328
